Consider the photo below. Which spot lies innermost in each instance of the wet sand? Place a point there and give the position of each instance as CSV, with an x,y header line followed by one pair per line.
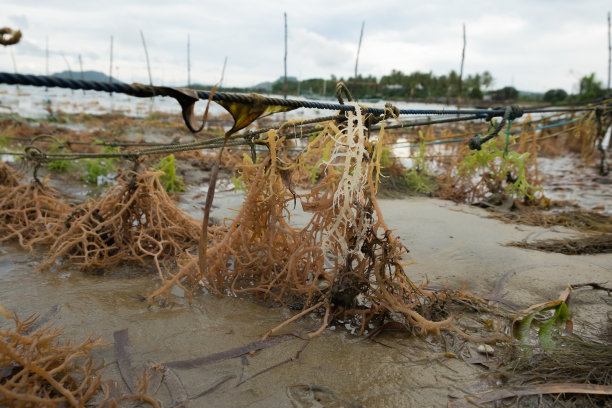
x,y
450,244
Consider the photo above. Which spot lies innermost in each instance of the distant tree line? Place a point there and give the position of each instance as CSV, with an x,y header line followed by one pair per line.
x,y
429,87
417,85
589,88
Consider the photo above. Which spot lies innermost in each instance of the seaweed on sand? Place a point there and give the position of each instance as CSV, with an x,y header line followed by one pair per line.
x,y
345,261
578,219
28,210
135,221
37,369
589,244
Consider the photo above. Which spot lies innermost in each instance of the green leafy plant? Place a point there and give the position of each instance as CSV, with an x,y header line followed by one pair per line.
x,y
238,182
93,168
385,157
58,166
171,182
5,139
416,178
534,316
315,171
500,170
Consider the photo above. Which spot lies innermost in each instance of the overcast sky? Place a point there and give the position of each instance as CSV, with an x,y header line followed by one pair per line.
x,y
532,45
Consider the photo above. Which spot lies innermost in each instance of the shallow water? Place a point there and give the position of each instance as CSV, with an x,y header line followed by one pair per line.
x,y
335,369
569,178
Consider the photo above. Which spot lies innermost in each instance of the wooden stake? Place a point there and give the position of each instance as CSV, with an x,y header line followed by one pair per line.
x,y
461,72
144,45
355,92
285,84
110,70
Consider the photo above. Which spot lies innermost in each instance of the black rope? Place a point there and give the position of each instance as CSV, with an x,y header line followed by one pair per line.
x,y
512,112
148,91
406,124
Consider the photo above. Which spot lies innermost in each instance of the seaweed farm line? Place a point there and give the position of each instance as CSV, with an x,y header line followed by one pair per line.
x,y
33,102
318,279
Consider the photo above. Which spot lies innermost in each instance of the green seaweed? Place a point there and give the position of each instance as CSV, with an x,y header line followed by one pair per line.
x,y
58,166
545,331
93,168
417,178
171,182
495,164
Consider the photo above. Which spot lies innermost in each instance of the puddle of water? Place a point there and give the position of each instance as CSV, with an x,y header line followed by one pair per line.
x,y
568,178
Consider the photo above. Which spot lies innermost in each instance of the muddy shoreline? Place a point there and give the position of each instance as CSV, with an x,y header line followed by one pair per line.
x,y
450,245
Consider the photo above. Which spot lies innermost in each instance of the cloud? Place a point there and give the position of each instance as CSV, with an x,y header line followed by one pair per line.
x,y
312,52
21,21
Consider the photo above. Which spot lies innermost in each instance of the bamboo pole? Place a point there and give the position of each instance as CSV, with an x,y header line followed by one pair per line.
x,y
110,69
285,84
609,55
355,92
144,45
461,71
82,73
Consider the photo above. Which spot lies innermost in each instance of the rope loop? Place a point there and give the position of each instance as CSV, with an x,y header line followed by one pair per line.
x,y
34,155
9,36
341,88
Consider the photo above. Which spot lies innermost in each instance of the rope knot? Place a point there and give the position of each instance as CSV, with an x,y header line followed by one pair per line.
x,y
34,154
475,143
515,112
391,111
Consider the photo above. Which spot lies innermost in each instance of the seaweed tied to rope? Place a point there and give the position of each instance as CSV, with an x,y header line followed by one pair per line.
x,y
27,211
135,220
344,261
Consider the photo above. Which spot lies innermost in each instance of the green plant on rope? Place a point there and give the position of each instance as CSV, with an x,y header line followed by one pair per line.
x,y
417,179
58,166
94,168
315,171
5,140
499,167
171,182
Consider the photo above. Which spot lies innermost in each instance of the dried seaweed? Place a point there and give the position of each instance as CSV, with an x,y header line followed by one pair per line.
x,y
590,244
8,177
135,221
28,210
40,370
345,261
578,220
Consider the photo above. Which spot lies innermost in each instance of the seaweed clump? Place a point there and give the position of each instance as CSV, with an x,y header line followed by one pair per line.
x,y
36,369
135,221
344,262
27,211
